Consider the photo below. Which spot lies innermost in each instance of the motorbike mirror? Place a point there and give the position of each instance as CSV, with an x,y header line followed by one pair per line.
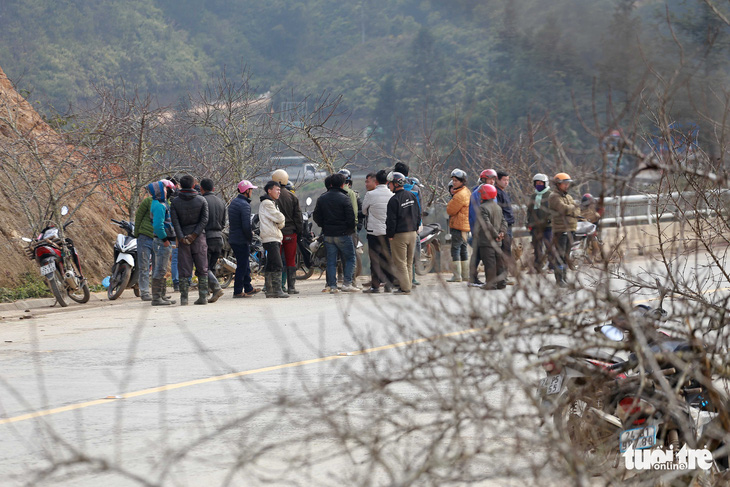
x,y
64,210
26,239
612,333
309,200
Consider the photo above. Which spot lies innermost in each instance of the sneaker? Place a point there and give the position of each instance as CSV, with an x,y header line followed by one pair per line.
x,y
326,289
372,290
415,283
334,290
509,282
388,289
476,284
401,292
349,288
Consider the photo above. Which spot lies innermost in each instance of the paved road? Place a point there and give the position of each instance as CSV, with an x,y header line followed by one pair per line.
x,y
132,384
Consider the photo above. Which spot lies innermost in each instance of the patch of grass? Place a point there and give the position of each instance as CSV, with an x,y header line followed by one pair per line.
x,y
32,286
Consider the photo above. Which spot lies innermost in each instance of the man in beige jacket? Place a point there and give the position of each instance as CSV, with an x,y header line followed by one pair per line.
x,y
564,215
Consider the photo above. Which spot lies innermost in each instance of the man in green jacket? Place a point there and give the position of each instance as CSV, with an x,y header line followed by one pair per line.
x,y
145,235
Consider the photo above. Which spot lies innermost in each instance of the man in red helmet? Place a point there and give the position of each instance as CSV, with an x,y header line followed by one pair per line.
x,y
488,176
490,228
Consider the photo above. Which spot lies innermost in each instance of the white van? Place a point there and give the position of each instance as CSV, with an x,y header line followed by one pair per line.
x,y
298,168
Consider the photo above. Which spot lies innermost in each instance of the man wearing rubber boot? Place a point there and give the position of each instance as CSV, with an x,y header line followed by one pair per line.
x,y
213,235
271,221
288,204
189,218
564,215
458,210
162,227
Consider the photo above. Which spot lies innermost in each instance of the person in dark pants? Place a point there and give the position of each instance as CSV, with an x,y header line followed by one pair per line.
x,y
564,215
213,235
240,237
538,222
490,229
375,208
189,218
288,204
458,210
488,176
503,200
272,221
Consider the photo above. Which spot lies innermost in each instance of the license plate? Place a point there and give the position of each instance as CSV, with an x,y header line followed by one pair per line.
x,y
638,438
552,384
48,269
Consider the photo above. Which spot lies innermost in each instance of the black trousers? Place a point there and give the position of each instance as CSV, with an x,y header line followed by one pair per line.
x,y
380,262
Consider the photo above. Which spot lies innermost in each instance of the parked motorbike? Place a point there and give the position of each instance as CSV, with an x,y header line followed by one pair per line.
x,y
59,263
430,248
586,245
225,268
599,398
125,272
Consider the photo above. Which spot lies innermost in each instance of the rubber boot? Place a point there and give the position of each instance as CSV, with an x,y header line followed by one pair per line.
x,y
284,278
202,290
184,287
276,286
216,293
291,279
465,270
157,290
163,291
456,269
269,283
560,276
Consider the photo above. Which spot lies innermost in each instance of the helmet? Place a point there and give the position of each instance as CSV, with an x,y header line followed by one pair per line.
x,y
280,176
540,177
587,199
488,173
487,191
562,177
458,174
168,184
416,182
245,185
347,174
289,186
398,179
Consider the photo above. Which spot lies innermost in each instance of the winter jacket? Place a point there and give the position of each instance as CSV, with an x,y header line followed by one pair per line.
x,y
474,202
490,223
334,213
458,209
375,207
353,200
539,217
413,188
189,213
143,220
159,212
503,200
239,221
289,205
590,214
403,213
271,221
216,216
564,212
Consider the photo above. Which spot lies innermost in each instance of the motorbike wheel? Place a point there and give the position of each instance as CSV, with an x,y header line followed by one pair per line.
x,y
225,279
426,260
594,441
119,280
80,295
303,272
55,282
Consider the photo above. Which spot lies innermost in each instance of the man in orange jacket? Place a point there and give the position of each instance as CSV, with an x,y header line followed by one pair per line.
x,y
458,210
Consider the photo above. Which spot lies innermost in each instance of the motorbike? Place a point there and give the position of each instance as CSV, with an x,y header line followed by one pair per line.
x,y
125,272
597,398
586,245
430,248
59,263
225,268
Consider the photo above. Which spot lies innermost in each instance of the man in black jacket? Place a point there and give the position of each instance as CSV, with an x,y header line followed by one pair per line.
x,y
189,212
288,204
213,235
335,215
401,225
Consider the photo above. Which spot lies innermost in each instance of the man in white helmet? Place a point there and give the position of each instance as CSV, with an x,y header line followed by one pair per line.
x,y
289,205
538,222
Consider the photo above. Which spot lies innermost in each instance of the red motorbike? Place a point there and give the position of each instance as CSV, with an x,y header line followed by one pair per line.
x,y
59,263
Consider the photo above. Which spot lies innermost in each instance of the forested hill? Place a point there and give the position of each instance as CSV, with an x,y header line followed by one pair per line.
x,y
388,58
